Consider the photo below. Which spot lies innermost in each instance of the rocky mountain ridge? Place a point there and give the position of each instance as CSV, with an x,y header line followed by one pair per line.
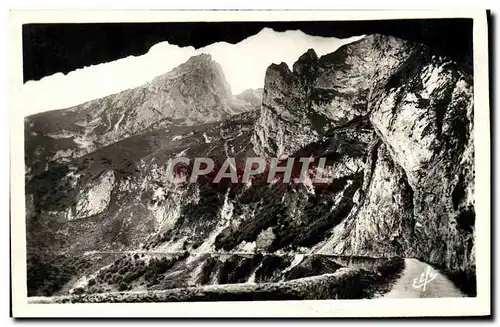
x,y
420,173
394,122
252,96
195,92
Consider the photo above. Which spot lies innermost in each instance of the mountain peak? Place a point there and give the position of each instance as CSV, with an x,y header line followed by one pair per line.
x,y
309,55
202,57
198,74
252,96
305,63
194,92
202,60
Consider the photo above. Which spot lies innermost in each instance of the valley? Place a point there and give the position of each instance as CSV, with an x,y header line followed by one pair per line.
x,y
393,120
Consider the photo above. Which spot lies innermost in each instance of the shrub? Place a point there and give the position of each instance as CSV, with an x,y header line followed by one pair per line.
x,y
47,275
78,291
122,287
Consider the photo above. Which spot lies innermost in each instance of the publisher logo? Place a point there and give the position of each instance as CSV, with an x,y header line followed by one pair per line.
x,y
425,278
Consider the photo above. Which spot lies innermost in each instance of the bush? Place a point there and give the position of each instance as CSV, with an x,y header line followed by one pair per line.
x,y
122,287
47,275
78,291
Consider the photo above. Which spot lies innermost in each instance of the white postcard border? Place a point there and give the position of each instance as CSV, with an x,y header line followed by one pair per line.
x,y
479,305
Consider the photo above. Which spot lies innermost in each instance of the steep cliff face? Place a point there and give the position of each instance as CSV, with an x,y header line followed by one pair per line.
x,y
393,121
125,187
94,198
417,195
322,94
195,92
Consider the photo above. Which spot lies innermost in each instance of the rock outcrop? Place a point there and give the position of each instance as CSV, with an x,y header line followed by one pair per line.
x,y
93,199
193,93
417,195
393,120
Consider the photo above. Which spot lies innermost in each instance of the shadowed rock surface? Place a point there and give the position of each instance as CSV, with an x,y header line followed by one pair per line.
x,y
415,111
195,92
393,120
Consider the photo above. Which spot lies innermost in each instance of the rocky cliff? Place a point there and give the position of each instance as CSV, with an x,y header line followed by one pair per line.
x,y
195,92
416,111
393,120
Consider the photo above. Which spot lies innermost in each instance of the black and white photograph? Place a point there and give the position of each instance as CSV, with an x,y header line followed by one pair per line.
x,y
252,161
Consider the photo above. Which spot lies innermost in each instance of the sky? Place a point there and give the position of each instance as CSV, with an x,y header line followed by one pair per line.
x,y
244,65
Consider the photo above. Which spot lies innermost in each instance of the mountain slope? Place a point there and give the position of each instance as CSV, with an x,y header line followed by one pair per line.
x,y
193,93
416,197
394,122
252,96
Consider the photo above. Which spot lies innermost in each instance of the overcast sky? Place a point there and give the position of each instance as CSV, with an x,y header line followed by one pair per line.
x,y
244,66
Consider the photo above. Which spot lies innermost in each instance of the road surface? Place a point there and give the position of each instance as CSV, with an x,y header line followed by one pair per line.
x,y
419,279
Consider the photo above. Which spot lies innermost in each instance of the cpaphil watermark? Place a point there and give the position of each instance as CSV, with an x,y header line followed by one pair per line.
x,y
300,170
